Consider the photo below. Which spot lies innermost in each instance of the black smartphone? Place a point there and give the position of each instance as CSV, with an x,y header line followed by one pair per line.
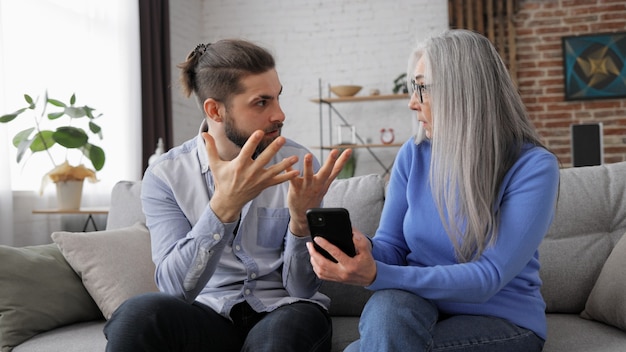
x,y
334,225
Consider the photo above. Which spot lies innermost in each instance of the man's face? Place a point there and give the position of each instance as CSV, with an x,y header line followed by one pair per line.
x,y
257,108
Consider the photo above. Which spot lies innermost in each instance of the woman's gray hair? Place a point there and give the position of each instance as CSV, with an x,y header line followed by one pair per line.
x,y
479,127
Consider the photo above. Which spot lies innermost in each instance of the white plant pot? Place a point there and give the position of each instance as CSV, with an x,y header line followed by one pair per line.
x,y
69,194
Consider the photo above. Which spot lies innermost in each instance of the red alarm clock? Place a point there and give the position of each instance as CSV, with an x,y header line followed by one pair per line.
x,y
387,136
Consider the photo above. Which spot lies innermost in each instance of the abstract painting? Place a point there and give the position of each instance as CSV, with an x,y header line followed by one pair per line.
x,y
595,66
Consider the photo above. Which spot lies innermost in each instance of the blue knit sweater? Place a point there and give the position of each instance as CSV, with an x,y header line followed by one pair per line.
x,y
414,253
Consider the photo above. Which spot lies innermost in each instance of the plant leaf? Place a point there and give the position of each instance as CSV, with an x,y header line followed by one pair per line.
x,y
55,115
20,137
42,141
95,129
75,112
89,112
73,99
22,148
11,116
70,137
96,155
57,103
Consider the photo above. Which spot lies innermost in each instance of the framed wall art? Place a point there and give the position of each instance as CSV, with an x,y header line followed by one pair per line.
x,y
594,66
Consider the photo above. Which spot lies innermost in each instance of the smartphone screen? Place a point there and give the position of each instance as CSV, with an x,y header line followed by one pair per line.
x,y
334,225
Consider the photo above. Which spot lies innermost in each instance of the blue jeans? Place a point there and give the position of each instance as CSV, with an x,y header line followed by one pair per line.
x,y
161,322
395,320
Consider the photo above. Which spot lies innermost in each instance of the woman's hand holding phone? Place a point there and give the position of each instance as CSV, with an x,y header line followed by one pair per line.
x,y
355,269
334,225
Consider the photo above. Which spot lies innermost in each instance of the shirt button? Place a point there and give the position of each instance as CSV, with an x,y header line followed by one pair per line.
x,y
217,236
238,247
247,292
253,275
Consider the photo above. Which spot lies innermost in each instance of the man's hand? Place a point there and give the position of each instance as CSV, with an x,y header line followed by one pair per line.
x,y
359,270
242,179
308,190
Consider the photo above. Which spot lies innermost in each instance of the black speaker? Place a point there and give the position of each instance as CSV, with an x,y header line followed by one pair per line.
x,y
587,147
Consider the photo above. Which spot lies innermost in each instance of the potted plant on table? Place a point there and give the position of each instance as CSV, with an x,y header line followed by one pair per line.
x,y
69,136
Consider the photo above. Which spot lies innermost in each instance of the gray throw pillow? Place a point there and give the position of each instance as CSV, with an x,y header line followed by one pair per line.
x,y
114,265
363,196
607,301
39,291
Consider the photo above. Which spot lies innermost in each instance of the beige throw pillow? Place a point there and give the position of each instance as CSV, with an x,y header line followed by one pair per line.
x,y
114,265
607,300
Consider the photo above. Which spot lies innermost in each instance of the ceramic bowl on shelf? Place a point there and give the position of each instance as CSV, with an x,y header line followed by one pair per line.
x,y
345,90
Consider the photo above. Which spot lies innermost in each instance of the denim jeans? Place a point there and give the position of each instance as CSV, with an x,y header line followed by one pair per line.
x,y
161,322
395,320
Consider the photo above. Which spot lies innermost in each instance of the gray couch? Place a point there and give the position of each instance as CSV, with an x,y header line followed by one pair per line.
x,y
590,220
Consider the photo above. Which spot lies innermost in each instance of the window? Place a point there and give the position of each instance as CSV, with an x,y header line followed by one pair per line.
x,y
87,47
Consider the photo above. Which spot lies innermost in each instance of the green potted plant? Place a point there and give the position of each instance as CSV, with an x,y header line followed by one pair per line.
x,y
399,85
68,134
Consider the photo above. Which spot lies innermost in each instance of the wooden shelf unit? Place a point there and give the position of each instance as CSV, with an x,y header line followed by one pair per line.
x,y
329,102
355,99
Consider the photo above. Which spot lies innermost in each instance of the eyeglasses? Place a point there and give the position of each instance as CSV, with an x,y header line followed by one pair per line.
x,y
420,89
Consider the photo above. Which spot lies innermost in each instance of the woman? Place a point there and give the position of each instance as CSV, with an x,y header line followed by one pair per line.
x,y
454,263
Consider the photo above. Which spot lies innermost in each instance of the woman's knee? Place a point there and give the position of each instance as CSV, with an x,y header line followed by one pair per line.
x,y
393,301
388,307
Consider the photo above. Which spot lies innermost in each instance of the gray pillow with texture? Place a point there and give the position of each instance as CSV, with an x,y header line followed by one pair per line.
x,y
39,291
607,301
114,265
569,267
363,196
580,237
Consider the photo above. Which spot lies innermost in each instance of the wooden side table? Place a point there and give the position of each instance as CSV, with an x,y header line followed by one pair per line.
x,y
90,212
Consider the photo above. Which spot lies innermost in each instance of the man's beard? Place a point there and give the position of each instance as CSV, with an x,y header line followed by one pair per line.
x,y
240,138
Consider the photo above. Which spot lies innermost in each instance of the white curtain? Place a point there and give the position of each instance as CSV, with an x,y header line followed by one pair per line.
x,y
86,47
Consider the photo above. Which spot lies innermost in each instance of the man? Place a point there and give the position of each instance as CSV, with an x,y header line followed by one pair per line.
x,y
226,213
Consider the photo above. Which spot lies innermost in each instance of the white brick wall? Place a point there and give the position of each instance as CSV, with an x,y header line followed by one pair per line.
x,y
341,42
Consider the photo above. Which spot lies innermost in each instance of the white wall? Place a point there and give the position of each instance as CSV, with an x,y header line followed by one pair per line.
x,y
341,42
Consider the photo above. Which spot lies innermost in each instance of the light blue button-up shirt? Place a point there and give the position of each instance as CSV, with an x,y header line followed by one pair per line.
x,y
200,258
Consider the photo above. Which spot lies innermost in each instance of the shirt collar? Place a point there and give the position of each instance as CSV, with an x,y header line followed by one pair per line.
x,y
202,155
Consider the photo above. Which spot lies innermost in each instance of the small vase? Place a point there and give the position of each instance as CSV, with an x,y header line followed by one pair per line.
x,y
69,194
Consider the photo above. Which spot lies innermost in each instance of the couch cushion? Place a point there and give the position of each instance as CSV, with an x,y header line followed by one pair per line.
x,y
345,331
81,337
345,300
570,333
590,218
126,206
569,267
39,291
114,265
607,301
363,196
